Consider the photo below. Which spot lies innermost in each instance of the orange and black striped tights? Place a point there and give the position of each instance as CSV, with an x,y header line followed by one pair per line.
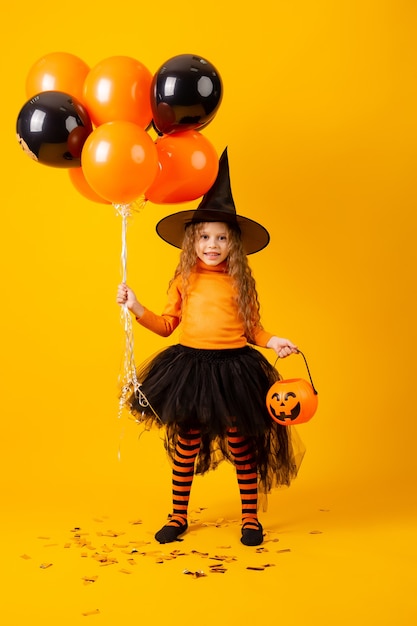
x,y
186,452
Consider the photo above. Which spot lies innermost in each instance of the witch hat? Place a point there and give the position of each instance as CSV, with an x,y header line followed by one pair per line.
x,y
217,205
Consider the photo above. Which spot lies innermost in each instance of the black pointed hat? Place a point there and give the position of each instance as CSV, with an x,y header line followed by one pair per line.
x,y
217,205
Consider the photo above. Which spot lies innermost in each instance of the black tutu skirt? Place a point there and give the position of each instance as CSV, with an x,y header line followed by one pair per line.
x,y
213,391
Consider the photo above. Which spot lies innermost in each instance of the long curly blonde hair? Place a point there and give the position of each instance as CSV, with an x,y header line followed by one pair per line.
x,y
238,268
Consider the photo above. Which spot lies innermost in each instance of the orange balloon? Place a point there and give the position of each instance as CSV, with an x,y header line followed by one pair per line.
x,y
119,161
188,166
57,71
77,177
118,88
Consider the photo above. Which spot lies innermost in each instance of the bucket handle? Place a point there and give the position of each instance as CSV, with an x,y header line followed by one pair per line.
x,y
308,370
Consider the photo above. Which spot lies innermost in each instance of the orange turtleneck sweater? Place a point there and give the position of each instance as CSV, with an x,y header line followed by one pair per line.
x,y
209,317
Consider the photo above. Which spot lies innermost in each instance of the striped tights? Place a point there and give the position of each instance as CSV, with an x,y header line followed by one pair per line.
x,y
186,452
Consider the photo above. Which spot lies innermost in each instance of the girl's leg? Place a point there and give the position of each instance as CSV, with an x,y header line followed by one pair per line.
x,y
247,477
187,448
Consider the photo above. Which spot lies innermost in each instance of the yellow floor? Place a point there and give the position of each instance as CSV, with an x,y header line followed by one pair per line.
x,y
331,556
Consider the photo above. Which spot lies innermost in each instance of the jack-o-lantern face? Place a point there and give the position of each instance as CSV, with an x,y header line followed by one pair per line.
x,y
284,403
291,401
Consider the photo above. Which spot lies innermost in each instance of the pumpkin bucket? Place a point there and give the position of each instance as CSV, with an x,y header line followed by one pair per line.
x,y
292,401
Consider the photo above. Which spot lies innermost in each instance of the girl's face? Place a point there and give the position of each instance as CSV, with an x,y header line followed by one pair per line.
x,y
213,243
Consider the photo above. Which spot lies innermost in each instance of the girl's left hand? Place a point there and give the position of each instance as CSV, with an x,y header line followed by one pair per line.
x,y
283,347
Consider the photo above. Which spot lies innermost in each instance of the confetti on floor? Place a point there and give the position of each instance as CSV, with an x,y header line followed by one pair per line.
x,y
203,554
89,579
256,569
197,574
121,553
88,613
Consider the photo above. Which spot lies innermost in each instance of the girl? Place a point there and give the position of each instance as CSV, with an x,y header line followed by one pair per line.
x,y
209,390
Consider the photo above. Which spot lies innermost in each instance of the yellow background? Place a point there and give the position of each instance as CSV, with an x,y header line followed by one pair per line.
x,y
319,114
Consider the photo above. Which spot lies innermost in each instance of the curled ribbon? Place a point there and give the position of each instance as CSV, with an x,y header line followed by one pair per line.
x,y
128,378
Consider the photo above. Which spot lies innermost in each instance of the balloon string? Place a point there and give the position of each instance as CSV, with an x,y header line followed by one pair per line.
x,y
129,382
124,215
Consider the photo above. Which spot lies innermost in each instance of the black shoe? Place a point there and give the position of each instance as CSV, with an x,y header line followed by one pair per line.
x,y
170,532
252,536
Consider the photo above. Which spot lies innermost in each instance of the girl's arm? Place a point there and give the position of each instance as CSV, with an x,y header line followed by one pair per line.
x,y
164,324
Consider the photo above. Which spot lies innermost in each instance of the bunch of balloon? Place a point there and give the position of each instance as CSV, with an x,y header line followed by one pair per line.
x,y
186,93
96,120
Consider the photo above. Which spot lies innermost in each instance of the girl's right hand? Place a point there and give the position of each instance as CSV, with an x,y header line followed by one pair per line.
x,y
125,296
122,294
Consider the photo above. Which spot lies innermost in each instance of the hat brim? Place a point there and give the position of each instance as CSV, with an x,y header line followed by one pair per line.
x,y
172,227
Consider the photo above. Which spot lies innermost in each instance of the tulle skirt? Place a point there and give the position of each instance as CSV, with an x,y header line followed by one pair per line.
x,y
213,391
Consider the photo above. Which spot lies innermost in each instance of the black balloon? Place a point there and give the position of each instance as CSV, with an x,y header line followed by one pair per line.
x,y
52,128
186,93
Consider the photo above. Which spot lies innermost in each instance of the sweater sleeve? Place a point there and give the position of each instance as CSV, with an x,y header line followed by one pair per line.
x,y
167,322
261,337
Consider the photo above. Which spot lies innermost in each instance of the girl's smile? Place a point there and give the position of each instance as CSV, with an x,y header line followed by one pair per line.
x,y
212,245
